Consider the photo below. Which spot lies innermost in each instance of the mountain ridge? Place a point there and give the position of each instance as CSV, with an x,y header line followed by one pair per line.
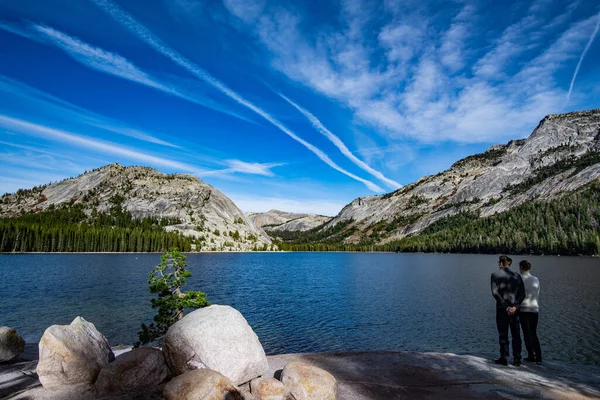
x,y
561,156
277,221
202,212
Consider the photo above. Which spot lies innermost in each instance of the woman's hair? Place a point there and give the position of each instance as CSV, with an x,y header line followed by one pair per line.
x,y
525,265
503,260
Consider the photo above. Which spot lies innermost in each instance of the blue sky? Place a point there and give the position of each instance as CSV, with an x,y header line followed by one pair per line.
x,y
301,106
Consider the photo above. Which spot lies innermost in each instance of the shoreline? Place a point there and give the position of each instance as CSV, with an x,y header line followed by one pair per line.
x,y
378,375
293,252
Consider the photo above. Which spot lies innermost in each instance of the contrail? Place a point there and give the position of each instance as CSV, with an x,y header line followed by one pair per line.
x,y
340,145
46,132
587,47
148,37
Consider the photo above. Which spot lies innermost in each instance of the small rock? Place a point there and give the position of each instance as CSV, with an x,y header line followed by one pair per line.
x,y
217,338
267,389
201,384
140,368
11,344
71,356
306,382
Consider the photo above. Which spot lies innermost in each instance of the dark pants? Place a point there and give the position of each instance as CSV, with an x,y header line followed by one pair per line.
x,y
503,322
529,322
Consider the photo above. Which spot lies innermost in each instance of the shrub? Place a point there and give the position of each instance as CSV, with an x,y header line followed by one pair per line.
x,y
166,280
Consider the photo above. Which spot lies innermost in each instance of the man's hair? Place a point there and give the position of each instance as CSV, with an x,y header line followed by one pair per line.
x,y
509,261
525,265
503,260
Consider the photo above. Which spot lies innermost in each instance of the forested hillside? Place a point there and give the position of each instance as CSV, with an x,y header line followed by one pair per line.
x,y
516,196
121,209
69,229
569,225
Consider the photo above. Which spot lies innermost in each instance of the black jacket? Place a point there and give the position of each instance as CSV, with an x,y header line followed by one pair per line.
x,y
507,288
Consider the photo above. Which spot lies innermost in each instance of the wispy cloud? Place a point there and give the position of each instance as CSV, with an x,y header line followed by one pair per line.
x,y
50,133
105,148
148,37
245,168
434,83
39,162
34,149
341,146
49,104
19,31
246,10
453,41
114,64
99,59
585,50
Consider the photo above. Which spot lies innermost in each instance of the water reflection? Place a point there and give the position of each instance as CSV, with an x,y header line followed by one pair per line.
x,y
303,302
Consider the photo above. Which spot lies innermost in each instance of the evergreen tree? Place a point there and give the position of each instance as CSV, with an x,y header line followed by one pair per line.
x,y
166,280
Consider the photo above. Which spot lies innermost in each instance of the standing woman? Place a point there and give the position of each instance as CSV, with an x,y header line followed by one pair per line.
x,y
530,312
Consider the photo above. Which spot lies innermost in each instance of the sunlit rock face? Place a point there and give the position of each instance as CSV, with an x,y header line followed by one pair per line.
x,y
277,221
491,182
145,192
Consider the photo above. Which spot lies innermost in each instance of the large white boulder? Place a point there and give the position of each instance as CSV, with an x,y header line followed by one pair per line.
x,y
307,382
11,344
218,338
71,356
201,384
137,369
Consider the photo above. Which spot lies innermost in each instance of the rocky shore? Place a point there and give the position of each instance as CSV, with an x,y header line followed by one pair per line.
x,y
378,375
213,354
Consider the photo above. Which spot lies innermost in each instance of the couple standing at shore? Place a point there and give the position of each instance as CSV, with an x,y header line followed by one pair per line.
x,y
516,304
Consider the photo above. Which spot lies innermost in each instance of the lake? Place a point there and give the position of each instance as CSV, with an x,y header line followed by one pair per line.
x,y
314,302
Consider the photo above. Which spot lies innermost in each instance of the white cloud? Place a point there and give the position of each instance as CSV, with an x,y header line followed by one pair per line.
x,y
31,160
244,168
252,168
433,83
585,50
19,31
341,146
401,154
453,41
99,59
48,104
145,35
246,10
34,149
49,133
116,65
401,41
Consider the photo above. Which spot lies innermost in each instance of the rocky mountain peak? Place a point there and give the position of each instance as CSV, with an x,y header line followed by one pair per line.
x,y
276,220
203,211
560,156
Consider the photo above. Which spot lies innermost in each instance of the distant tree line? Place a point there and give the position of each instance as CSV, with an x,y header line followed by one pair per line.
x,y
70,229
569,225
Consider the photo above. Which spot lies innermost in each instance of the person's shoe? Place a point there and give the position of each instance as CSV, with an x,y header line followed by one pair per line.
x,y
517,363
501,361
538,361
530,359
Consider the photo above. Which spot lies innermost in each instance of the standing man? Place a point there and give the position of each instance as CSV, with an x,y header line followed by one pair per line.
x,y
509,291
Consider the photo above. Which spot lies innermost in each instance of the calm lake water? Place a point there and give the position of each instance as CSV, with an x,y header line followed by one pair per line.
x,y
313,302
